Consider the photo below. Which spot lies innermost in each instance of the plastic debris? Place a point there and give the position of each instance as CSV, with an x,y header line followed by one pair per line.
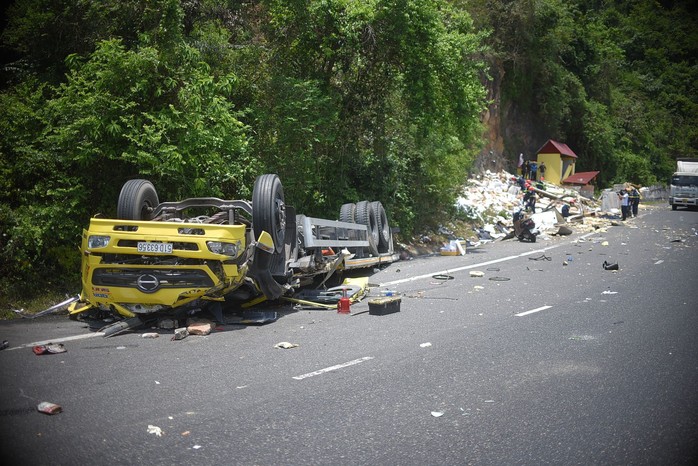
x,y
49,408
476,273
4,344
609,292
155,430
286,345
437,413
425,345
51,348
150,335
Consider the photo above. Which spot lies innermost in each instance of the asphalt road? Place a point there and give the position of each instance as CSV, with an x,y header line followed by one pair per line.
x,y
545,364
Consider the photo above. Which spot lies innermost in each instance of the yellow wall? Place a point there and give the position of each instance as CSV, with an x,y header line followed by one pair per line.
x,y
553,168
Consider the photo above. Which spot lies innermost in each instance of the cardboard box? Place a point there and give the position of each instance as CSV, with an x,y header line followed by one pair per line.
x,y
383,306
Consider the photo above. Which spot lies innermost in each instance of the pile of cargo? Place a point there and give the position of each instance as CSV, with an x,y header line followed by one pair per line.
x,y
491,199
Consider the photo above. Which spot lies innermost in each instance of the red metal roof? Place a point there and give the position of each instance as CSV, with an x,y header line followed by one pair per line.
x,y
580,178
554,147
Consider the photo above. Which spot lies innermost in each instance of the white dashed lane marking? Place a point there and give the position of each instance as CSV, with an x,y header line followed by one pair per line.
x,y
333,368
538,309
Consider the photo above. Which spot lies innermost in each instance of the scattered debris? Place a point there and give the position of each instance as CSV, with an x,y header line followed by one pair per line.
x,y
199,326
286,345
4,344
437,413
453,248
425,345
609,292
492,198
500,279
608,266
477,273
150,335
180,333
49,408
50,348
155,430
383,306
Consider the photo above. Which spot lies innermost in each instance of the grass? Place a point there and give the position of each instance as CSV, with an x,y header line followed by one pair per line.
x,y
31,304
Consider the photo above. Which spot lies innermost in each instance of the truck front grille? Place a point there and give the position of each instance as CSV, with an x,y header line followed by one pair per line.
x,y
151,280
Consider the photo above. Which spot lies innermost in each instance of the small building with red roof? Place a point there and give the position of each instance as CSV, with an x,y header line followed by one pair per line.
x,y
559,161
582,180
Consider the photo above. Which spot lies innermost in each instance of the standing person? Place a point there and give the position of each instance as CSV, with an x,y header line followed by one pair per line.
x,y
624,203
634,201
526,169
541,169
530,200
534,168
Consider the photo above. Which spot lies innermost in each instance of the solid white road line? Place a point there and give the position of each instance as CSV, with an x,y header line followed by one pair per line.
x,y
59,340
333,368
481,264
538,309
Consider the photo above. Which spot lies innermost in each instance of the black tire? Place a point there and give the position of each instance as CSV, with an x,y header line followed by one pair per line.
x,y
137,200
365,216
673,206
347,213
269,209
381,226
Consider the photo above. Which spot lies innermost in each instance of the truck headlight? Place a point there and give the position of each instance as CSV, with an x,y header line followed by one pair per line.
x,y
227,249
98,241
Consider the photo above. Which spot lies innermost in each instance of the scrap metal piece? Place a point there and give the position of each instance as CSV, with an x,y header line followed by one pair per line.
x,y
121,326
50,310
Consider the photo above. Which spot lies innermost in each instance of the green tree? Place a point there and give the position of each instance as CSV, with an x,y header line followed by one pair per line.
x,y
155,110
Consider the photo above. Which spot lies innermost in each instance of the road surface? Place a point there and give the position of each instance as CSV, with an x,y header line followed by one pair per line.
x,y
536,362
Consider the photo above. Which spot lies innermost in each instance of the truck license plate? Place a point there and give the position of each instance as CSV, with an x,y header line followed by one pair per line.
x,y
164,248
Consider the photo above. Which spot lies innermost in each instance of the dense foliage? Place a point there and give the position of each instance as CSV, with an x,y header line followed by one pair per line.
x,y
616,81
345,99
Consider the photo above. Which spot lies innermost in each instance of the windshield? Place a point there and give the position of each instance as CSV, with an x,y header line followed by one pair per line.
x,y
684,180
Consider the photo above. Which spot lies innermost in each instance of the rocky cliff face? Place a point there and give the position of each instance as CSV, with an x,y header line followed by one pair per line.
x,y
508,129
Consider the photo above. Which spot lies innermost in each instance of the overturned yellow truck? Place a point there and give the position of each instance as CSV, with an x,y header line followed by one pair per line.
x,y
155,259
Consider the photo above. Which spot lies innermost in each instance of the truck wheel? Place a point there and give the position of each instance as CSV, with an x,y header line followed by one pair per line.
x,y
347,213
382,226
269,209
137,200
673,206
365,216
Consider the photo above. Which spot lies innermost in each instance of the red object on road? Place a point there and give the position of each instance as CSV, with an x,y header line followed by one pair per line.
x,y
344,304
